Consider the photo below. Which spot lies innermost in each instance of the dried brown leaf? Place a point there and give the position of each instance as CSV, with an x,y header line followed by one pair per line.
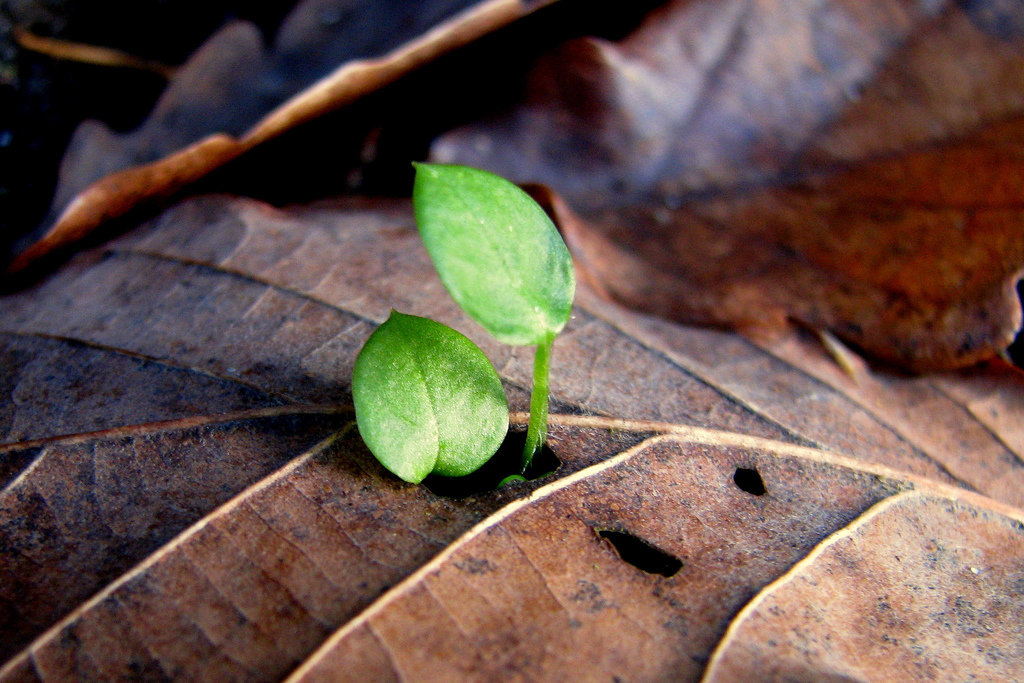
x,y
535,593
105,176
83,510
955,427
920,588
218,340
86,54
854,166
253,587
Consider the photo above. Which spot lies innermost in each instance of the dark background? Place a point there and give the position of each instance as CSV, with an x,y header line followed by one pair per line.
x,y
43,98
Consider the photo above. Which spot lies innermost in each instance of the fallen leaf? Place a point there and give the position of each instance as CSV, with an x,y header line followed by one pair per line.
x,y
535,593
233,96
957,427
176,460
919,588
853,167
82,510
255,585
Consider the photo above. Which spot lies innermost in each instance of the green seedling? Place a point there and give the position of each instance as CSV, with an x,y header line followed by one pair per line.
x,y
503,261
427,400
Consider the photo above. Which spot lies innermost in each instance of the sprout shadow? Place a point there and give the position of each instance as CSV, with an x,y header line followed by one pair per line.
x,y
507,461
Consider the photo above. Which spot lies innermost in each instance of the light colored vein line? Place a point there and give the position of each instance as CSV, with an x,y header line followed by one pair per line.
x,y
162,362
24,476
716,437
992,431
738,400
692,373
381,640
366,616
871,412
536,570
53,633
444,608
803,563
671,434
176,424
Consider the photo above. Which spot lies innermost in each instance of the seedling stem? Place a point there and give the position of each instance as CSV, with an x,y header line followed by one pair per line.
x,y
536,431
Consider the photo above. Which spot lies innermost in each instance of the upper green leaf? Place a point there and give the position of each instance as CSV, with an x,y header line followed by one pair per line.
x,y
497,252
427,399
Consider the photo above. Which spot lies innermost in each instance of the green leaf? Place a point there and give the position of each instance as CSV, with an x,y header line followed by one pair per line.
x,y
427,399
497,252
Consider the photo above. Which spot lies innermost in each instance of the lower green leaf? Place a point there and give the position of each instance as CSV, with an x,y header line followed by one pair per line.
x,y
427,399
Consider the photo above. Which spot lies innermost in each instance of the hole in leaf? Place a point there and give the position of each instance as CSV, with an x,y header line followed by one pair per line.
x,y
641,554
507,461
749,480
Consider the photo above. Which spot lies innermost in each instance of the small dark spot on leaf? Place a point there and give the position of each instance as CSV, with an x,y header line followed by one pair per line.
x,y
475,565
589,593
641,554
749,480
146,670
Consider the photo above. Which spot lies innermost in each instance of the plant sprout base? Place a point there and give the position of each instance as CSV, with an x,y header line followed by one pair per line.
x,y
536,431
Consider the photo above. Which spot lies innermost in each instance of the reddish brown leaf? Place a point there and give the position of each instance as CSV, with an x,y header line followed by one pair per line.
x,y
853,166
953,427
